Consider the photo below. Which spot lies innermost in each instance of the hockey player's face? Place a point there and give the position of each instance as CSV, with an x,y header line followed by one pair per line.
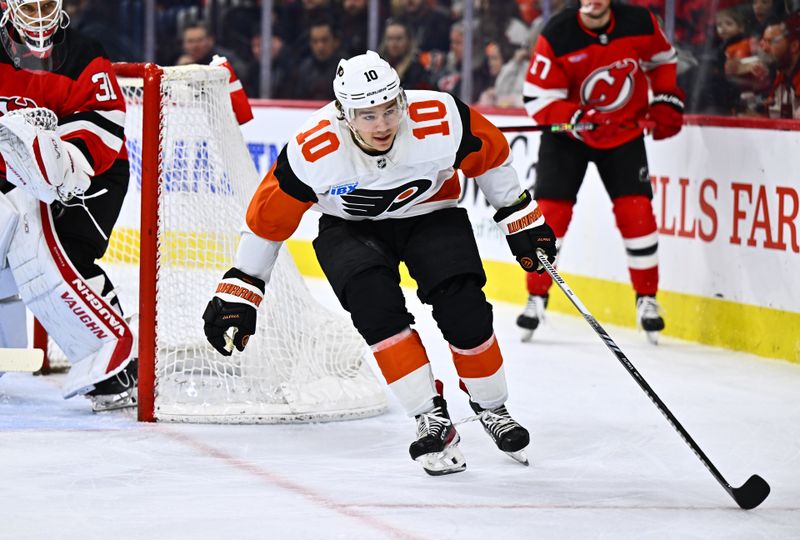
x,y
378,125
595,9
38,13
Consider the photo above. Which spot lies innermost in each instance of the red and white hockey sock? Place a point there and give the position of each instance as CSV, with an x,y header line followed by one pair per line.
x,y
636,222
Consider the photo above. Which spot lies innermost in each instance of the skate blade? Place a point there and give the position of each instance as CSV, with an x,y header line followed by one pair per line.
x,y
652,337
519,456
112,403
527,336
448,461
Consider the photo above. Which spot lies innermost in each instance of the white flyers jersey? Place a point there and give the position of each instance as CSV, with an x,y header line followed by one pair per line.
x,y
323,167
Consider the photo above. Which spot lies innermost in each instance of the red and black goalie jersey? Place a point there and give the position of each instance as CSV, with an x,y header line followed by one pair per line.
x,y
83,92
575,69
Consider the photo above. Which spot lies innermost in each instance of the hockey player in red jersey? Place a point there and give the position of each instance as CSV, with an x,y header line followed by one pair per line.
x,y
381,164
596,65
63,178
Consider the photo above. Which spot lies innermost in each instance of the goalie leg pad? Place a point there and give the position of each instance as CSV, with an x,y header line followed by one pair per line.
x,y
9,217
96,340
13,317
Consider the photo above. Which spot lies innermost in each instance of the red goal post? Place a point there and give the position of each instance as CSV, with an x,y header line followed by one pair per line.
x,y
191,179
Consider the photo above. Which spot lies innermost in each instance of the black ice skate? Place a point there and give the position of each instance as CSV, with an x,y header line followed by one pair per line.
x,y
532,315
436,447
648,313
118,391
507,434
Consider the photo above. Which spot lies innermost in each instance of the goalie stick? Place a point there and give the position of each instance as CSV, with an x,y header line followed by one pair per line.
x,y
751,493
21,359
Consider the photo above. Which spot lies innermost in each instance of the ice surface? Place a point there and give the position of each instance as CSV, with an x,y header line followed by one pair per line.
x,y
605,463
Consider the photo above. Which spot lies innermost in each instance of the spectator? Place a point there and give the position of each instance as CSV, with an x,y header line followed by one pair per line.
x,y
238,24
729,75
492,66
509,82
763,11
354,24
431,25
312,78
99,20
781,45
448,77
281,65
400,51
500,23
313,12
199,48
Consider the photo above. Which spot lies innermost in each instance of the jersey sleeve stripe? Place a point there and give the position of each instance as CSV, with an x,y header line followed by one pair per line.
x,y
469,142
537,98
531,90
108,131
289,181
660,59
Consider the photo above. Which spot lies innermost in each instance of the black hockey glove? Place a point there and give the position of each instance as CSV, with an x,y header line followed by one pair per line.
x,y
233,308
526,232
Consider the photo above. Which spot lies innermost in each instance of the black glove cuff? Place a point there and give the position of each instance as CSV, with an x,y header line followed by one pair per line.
x,y
522,201
235,273
673,100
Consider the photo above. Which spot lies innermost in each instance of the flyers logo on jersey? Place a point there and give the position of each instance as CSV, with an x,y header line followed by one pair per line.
x,y
15,103
610,87
374,202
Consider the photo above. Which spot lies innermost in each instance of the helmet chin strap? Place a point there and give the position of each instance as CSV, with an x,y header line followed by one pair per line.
x,y
364,144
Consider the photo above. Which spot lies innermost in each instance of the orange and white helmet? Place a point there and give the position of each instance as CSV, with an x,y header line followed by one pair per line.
x,y
35,22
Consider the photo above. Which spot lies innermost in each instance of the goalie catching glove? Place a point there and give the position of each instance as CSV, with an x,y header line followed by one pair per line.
x,y
38,161
233,308
526,232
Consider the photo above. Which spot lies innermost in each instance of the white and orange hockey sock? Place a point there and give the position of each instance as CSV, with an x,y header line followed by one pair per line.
x,y
404,363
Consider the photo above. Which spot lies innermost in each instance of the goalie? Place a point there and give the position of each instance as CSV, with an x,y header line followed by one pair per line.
x,y
381,167
63,178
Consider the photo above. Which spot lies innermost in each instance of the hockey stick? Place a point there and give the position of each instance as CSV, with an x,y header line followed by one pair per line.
x,y
751,493
21,359
552,128
580,126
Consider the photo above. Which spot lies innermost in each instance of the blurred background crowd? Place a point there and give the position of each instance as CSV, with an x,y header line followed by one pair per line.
x,y
736,57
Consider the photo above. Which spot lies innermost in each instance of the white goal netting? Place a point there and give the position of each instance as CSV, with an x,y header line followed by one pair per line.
x,y
304,363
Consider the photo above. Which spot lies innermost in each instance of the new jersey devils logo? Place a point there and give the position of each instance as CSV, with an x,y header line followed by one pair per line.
x,y
15,103
610,87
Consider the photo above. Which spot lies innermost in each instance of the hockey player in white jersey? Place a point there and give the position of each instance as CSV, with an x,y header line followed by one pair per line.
x,y
381,166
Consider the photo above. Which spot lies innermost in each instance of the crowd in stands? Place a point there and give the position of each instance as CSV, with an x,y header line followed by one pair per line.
x,y
736,57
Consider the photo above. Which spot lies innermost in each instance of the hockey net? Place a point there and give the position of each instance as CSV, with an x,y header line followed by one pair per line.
x,y
191,178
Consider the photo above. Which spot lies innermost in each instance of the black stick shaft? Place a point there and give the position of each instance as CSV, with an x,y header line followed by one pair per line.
x,y
553,128
629,367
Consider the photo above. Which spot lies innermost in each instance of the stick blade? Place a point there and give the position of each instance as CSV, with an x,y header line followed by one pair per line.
x,y
752,493
21,359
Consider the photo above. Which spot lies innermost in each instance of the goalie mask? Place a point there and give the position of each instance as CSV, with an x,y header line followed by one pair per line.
x,y
367,81
28,30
